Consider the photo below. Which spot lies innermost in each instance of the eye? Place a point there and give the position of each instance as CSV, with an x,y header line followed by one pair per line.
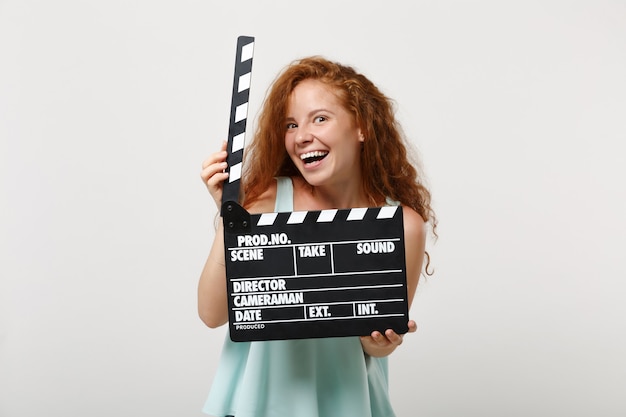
x,y
320,119
291,126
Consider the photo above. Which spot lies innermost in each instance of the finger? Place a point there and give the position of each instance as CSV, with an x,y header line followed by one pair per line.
x,y
213,177
393,337
211,170
379,338
412,326
215,182
371,338
215,158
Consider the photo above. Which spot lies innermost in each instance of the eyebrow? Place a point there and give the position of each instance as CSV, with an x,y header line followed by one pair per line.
x,y
312,112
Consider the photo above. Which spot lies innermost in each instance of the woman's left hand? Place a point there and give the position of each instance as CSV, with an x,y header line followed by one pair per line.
x,y
379,344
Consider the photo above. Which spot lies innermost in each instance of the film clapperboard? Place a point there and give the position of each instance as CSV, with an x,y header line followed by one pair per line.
x,y
306,274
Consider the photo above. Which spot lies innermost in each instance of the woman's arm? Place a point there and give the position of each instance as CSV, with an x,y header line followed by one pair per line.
x,y
212,294
212,297
378,344
212,301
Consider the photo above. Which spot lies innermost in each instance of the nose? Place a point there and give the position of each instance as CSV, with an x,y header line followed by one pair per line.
x,y
303,136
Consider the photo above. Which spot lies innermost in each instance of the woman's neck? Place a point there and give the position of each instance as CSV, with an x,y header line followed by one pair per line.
x,y
307,197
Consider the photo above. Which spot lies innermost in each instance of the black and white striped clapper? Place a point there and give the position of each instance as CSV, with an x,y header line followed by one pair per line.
x,y
308,274
238,116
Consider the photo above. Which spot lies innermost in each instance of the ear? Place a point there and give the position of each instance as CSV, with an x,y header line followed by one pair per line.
x,y
361,136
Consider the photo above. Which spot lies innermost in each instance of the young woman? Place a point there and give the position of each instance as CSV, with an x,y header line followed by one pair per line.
x,y
326,138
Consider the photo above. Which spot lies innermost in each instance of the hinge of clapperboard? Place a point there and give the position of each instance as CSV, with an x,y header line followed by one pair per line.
x,y
236,218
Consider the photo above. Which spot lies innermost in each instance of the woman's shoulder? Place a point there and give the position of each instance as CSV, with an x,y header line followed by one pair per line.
x,y
414,224
265,202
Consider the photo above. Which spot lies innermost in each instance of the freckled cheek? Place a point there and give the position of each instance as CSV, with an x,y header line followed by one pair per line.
x,y
289,146
289,143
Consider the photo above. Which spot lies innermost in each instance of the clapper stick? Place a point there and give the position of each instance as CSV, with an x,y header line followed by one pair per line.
x,y
238,119
306,274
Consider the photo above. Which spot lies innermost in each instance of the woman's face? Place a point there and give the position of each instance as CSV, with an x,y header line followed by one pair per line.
x,y
321,136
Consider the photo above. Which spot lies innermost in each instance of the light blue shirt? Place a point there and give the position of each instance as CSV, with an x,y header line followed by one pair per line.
x,y
327,377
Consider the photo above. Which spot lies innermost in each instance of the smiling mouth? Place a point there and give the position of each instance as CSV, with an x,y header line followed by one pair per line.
x,y
310,157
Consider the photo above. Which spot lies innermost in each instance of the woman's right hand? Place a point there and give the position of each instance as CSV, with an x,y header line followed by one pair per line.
x,y
213,175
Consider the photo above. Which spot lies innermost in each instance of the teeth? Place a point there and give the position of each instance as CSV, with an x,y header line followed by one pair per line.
x,y
313,154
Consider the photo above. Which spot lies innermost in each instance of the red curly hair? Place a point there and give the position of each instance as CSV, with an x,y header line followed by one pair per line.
x,y
385,166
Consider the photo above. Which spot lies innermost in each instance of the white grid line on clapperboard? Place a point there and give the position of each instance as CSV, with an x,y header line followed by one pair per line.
x,y
328,274
295,264
318,318
331,243
393,300
332,261
357,287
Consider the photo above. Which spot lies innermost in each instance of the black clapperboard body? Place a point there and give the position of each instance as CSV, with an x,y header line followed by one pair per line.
x,y
306,274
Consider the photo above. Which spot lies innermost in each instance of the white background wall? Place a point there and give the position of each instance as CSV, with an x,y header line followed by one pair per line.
x,y
107,109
